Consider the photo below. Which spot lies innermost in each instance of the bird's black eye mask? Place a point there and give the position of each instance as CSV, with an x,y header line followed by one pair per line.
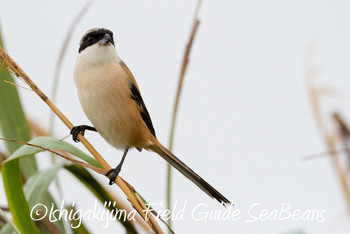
x,y
94,36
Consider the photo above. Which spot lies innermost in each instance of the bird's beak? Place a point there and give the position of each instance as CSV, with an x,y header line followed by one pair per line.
x,y
106,39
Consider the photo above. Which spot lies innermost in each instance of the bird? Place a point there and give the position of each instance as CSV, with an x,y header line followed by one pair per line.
x,y
111,100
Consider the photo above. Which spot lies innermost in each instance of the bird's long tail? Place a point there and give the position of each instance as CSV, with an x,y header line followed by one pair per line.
x,y
158,148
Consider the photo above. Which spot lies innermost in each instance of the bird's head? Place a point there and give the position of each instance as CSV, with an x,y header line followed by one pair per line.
x,y
97,45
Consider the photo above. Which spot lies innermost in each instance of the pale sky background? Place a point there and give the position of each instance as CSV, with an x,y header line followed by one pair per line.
x,y
245,120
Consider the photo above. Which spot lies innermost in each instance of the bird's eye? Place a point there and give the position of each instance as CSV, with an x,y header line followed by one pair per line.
x,y
90,39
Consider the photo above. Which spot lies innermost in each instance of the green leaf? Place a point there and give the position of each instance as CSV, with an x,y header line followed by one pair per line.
x,y
51,143
15,198
49,202
35,190
14,126
7,229
10,226
13,122
37,184
76,223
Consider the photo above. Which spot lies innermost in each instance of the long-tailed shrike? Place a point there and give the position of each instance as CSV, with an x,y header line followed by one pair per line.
x,y
111,100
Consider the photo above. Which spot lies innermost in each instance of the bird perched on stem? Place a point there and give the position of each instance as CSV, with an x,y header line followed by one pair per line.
x,y
112,101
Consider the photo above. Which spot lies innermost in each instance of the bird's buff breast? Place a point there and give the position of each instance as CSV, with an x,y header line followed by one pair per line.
x,y
102,95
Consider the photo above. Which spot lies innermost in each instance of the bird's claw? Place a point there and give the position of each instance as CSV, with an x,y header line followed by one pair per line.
x,y
115,173
75,132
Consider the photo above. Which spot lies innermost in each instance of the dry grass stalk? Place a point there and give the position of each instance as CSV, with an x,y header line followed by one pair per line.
x,y
63,155
184,66
61,56
330,137
141,222
344,134
17,85
10,64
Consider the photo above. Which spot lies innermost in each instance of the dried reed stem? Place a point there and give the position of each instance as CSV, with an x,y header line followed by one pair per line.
x,y
10,64
61,56
329,137
177,99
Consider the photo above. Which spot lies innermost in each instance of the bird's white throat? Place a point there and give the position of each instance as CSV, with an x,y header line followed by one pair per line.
x,y
98,54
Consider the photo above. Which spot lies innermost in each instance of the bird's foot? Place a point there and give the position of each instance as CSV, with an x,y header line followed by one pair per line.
x,y
76,130
112,174
80,129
